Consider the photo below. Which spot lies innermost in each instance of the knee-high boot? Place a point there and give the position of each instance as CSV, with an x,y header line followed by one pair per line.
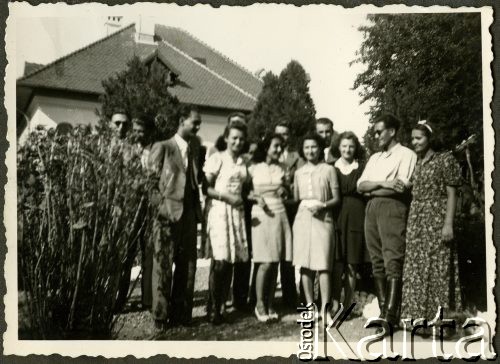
x,y
380,292
393,301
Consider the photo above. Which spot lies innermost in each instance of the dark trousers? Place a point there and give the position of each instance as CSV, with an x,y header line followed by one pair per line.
x,y
287,269
241,283
173,292
243,292
288,286
147,271
124,283
385,233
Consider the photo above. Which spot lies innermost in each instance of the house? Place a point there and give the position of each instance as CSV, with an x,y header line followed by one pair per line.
x,y
68,89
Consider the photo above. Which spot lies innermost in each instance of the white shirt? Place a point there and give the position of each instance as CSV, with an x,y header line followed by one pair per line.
x,y
397,162
327,150
183,147
283,156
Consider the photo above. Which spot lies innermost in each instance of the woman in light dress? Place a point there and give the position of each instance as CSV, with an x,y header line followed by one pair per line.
x,y
317,190
226,172
271,234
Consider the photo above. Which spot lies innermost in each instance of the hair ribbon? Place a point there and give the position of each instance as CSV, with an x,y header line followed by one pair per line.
x,y
424,123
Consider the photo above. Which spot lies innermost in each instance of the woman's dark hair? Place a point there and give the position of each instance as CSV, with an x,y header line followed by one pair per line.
x,y
237,114
319,140
359,152
263,146
220,143
238,125
434,143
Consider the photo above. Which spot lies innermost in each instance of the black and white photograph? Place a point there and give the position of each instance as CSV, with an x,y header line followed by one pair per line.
x,y
248,181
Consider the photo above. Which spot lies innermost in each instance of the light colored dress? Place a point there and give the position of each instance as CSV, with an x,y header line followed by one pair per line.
x,y
314,236
226,232
271,233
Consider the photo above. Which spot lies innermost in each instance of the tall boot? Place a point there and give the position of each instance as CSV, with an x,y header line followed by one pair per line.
x,y
393,301
380,292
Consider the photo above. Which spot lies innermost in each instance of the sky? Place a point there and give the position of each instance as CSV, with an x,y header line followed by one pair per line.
x,y
324,39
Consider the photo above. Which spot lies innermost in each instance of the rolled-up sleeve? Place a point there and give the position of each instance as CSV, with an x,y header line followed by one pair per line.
x,y
407,166
365,176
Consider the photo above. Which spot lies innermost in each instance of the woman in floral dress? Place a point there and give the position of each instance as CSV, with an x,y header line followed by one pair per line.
x,y
430,273
226,172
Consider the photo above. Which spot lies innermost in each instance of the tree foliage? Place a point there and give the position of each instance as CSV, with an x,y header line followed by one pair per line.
x,y
424,66
428,66
284,97
142,90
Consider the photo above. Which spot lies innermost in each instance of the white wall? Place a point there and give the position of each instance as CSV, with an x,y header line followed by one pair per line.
x,y
212,125
49,111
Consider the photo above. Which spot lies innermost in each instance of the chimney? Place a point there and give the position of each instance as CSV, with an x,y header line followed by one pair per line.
x,y
145,31
112,24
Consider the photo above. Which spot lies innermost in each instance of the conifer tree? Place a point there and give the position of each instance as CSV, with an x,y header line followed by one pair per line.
x,y
142,90
284,98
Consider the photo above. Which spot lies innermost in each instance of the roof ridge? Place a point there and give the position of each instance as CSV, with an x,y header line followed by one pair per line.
x,y
214,50
62,58
249,95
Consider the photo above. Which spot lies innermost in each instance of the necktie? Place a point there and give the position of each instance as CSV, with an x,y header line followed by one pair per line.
x,y
190,170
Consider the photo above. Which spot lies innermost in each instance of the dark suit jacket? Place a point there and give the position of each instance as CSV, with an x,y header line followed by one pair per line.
x,y
293,162
166,160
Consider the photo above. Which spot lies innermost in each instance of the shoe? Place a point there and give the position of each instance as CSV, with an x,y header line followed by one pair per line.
x,y
317,316
261,317
217,319
273,315
328,319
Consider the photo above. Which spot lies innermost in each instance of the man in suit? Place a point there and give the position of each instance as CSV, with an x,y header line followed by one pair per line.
x,y
324,128
292,161
177,165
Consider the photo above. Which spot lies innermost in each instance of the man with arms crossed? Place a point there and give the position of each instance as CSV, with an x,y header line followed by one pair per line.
x,y
386,181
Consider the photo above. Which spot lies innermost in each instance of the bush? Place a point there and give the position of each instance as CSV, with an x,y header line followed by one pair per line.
x,y
81,206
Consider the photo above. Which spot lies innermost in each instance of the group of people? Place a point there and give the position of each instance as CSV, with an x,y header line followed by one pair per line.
x,y
322,210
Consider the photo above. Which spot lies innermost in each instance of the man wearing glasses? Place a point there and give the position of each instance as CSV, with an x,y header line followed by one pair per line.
x,y
120,123
386,181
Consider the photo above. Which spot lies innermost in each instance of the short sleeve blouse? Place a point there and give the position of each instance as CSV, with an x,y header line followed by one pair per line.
x,y
433,176
229,174
318,182
266,176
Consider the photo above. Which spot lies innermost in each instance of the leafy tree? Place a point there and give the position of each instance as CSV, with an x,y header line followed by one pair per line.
x,y
425,66
142,90
428,66
284,98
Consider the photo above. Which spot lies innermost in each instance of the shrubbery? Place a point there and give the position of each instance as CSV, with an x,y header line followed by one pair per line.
x,y
81,206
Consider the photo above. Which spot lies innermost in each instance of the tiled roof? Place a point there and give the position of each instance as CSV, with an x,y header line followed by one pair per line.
x,y
216,61
84,70
30,67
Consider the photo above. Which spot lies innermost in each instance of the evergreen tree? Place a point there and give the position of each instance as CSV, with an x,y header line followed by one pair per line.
x,y
284,98
142,90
